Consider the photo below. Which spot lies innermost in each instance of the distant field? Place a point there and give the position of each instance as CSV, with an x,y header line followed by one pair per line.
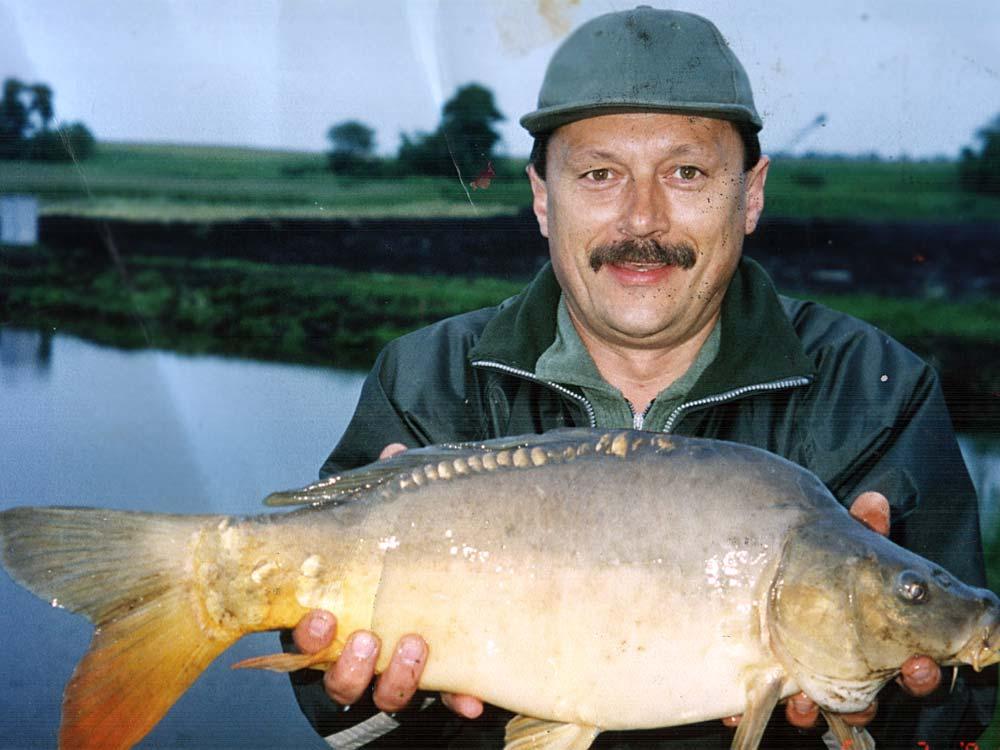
x,y
164,182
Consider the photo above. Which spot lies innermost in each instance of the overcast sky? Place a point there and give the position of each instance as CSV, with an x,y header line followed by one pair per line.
x,y
915,77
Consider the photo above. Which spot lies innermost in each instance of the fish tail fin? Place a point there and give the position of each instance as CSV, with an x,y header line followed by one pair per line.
x,y
129,574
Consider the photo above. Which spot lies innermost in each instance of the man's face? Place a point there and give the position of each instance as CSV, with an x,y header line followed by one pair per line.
x,y
645,215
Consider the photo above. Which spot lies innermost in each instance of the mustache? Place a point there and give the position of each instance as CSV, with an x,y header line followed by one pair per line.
x,y
680,254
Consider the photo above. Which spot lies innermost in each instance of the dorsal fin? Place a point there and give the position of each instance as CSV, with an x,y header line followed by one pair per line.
x,y
449,460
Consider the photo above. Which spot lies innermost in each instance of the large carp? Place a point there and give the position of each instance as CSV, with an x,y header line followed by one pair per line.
x,y
549,575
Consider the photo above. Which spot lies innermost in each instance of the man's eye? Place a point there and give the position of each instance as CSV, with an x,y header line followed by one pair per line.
x,y
599,175
687,172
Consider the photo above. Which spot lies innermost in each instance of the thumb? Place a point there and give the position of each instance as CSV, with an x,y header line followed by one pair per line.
x,y
392,449
872,509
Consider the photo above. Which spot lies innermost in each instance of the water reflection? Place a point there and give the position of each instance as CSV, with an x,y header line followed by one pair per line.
x,y
982,457
146,430
24,353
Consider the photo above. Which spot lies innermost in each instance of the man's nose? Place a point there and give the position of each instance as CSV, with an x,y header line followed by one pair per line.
x,y
645,211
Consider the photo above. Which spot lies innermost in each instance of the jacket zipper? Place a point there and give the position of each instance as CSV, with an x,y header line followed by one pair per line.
x,y
675,415
735,393
582,400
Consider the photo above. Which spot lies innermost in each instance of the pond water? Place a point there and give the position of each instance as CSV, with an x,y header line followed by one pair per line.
x,y
83,424
87,425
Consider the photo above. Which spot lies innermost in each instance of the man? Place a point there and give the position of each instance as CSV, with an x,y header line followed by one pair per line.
x,y
646,176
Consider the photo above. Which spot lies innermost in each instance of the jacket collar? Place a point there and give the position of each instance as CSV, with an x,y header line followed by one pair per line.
x,y
758,344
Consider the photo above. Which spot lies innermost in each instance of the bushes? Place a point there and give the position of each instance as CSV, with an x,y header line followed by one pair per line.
x,y
979,170
26,114
302,314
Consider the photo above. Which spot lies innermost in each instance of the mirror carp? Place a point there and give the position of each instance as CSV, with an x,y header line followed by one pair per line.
x,y
549,575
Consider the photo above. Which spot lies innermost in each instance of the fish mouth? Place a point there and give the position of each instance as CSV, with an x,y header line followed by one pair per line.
x,y
983,649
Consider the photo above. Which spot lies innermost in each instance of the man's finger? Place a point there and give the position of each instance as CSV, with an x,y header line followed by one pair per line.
x,y
872,509
463,705
347,680
392,449
801,712
732,721
861,718
920,676
315,631
399,681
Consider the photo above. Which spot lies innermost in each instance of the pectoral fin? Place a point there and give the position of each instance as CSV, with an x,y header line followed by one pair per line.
x,y
848,737
763,697
285,662
290,662
525,733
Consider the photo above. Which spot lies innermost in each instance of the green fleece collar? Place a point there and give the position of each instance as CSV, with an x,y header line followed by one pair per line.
x,y
758,343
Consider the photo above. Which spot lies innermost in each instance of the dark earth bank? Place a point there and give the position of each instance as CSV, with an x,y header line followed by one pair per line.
x,y
934,259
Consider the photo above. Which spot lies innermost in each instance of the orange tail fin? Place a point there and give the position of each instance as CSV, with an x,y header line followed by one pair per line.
x,y
127,572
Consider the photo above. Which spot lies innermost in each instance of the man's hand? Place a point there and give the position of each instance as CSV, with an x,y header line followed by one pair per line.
x,y
346,681
919,675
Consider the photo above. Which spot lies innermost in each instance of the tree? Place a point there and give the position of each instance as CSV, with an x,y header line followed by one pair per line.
x,y
13,119
353,146
71,141
425,153
26,114
467,122
980,171
465,138
41,105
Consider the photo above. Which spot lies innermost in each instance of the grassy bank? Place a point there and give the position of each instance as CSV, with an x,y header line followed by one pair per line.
x,y
329,316
291,313
164,182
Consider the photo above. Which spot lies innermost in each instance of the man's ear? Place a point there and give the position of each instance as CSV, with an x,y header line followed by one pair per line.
x,y
755,180
540,202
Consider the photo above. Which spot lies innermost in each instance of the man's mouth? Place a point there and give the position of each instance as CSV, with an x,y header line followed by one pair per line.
x,y
641,267
641,274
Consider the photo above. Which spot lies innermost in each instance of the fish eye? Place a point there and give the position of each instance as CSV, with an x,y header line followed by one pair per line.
x,y
911,587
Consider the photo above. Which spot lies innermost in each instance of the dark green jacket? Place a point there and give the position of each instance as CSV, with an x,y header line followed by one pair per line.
x,y
820,388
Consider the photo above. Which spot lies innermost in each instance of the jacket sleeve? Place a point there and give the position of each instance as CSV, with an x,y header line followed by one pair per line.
x,y
377,421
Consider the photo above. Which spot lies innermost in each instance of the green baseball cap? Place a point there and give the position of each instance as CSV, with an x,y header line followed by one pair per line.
x,y
643,60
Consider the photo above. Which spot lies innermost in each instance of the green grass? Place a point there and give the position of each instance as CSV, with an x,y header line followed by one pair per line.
x,y
206,183
164,182
291,313
912,319
873,190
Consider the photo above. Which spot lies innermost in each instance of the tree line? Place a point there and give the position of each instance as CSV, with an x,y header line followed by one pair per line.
x,y
463,142
979,168
465,139
27,113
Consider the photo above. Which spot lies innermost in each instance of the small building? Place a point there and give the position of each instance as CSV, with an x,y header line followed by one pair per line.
x,y
18,220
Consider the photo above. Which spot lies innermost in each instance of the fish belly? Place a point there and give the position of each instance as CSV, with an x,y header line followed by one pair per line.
x,y
607,648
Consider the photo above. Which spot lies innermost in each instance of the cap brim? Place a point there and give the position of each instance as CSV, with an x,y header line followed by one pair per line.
x,y
547,119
